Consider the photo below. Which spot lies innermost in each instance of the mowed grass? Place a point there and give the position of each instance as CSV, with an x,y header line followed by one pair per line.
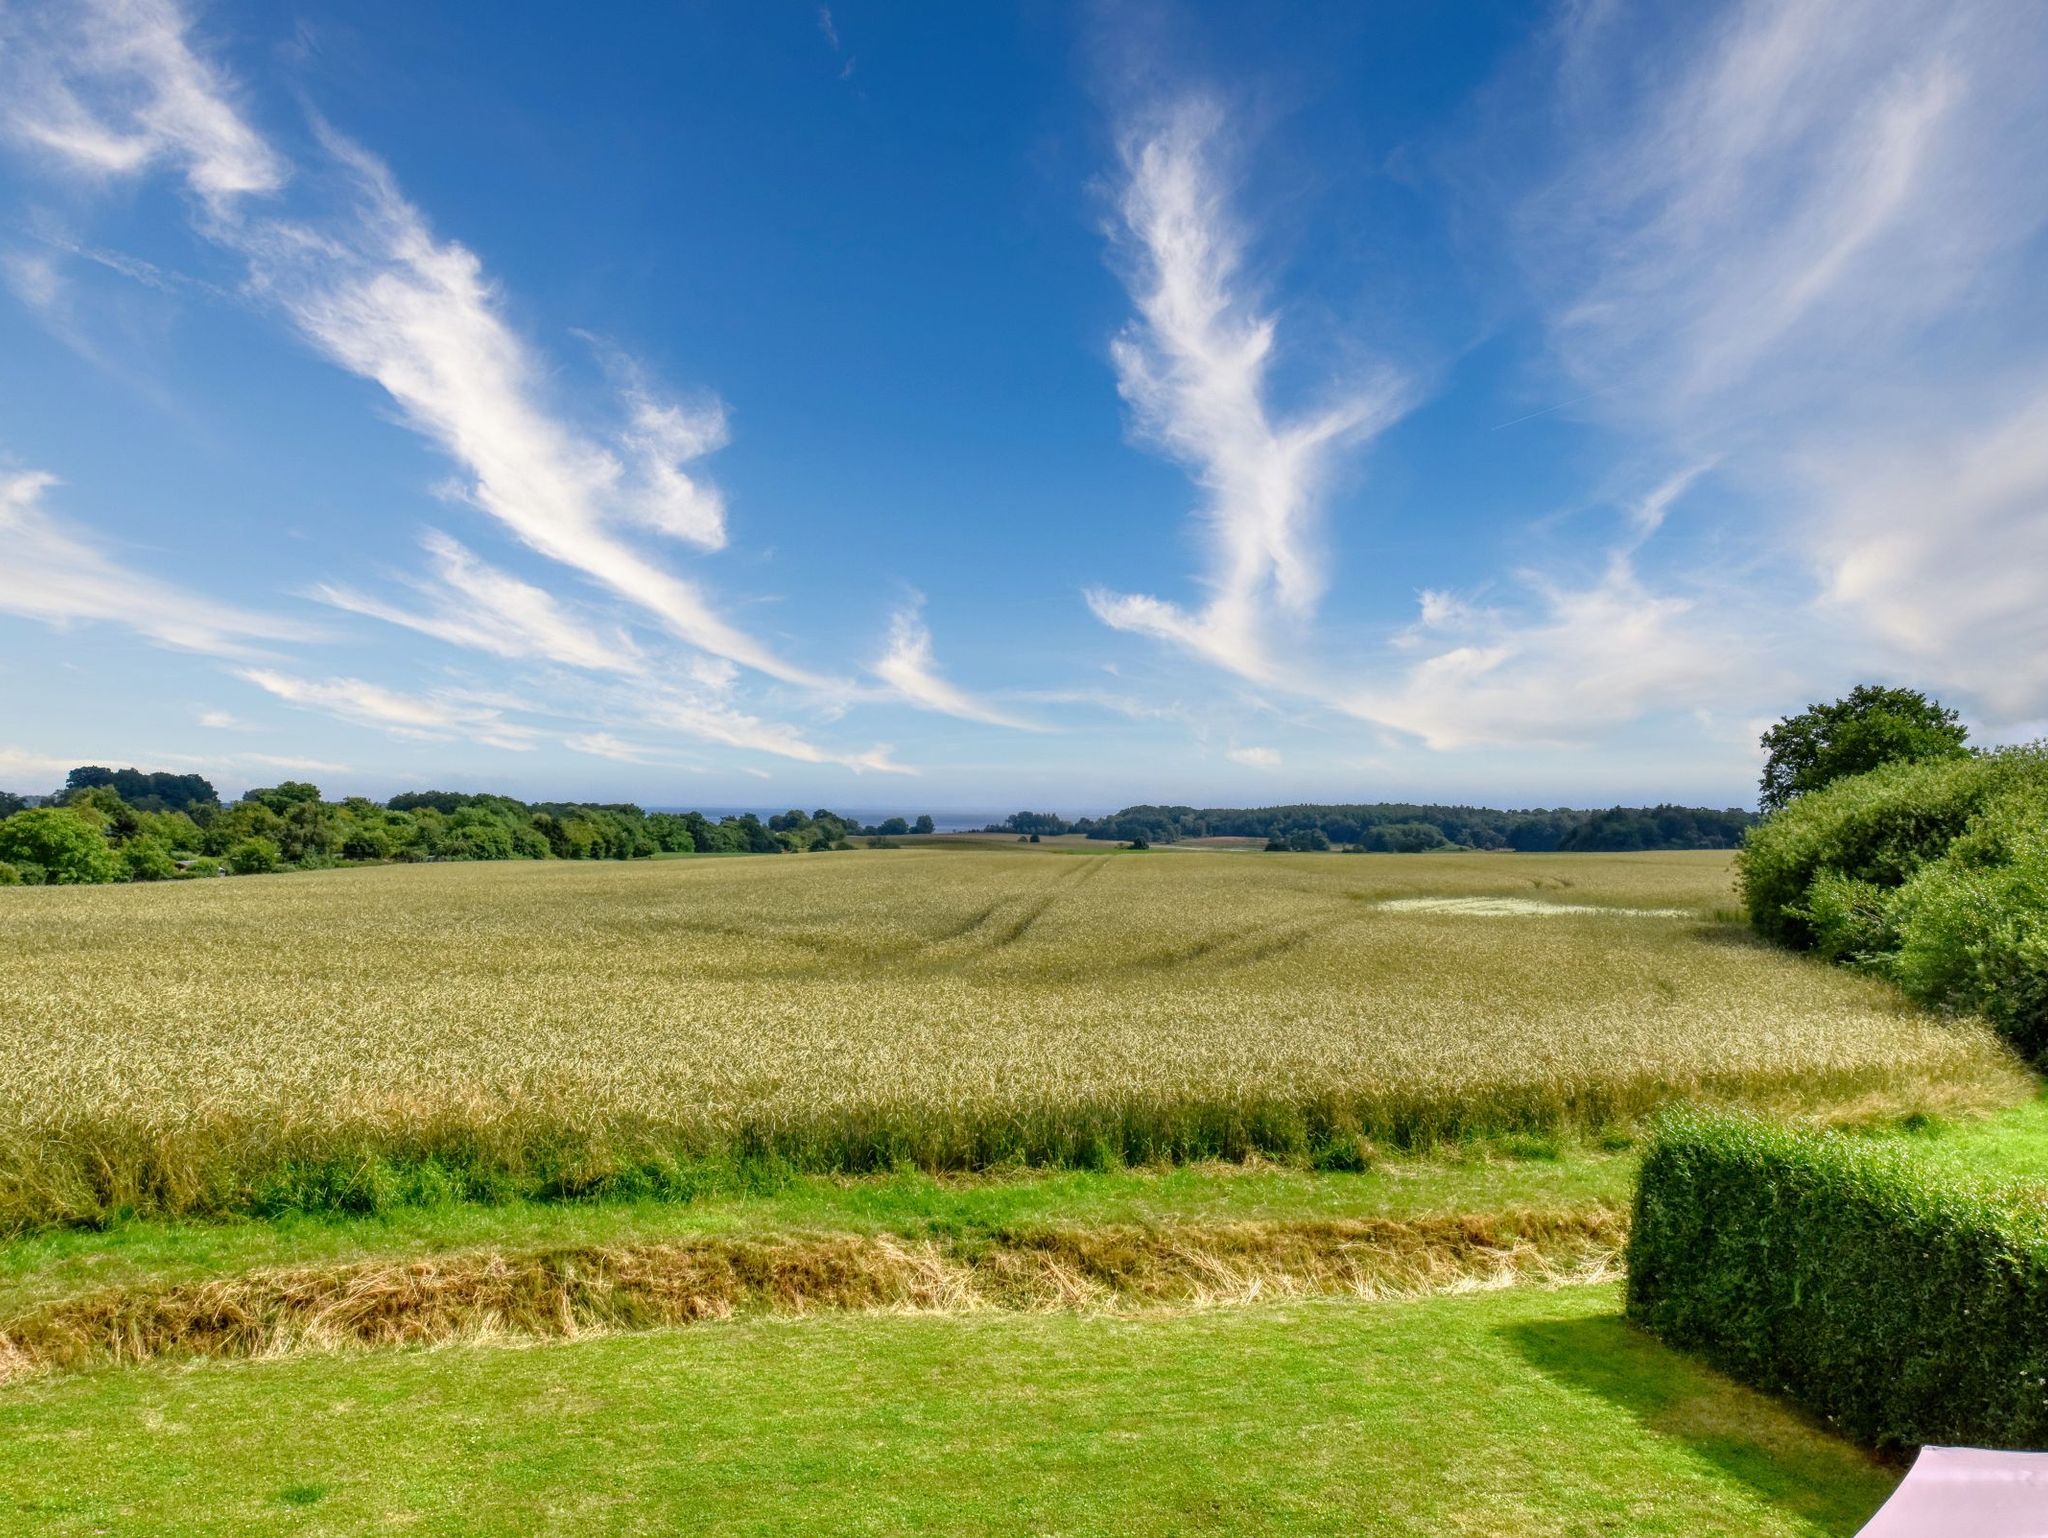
x,y
361,1039
1520,1413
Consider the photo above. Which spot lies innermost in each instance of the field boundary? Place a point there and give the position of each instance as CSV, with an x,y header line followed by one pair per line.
x,y
86,1171
564,1293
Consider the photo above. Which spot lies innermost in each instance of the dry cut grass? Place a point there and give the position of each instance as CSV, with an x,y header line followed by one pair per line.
x,y
574,1292
357,1038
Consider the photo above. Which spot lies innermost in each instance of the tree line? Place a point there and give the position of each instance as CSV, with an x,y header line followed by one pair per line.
x,y
1403,828
131,825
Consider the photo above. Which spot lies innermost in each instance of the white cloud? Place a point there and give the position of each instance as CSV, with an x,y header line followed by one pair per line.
x,y
20,768
52,575
152,98
473,604
1938,543
663,437
381,296
1583,661
1194,366
289,761
908,668
1792,188
377,292
1567,661
1798,241
605,745
441,716
33,278
700,712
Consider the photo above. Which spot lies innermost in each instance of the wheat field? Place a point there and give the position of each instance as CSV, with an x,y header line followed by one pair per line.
x,y
353,1038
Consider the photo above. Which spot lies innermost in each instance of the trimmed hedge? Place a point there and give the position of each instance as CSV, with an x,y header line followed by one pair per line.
x,y
1903,1307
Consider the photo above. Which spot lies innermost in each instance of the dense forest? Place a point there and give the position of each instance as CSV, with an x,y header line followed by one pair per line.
x,y
1398,828
129,825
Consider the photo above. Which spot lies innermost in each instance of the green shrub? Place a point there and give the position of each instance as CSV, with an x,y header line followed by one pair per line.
x,y
1878,828
201,865
1901,1305
147,859
253,857
1932,874
9,876
67,847
1975,937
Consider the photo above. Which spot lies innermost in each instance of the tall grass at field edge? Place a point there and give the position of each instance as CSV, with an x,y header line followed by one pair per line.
x,y
86,1172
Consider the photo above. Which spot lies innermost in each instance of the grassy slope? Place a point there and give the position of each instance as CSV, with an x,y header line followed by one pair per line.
x,y
63,1263
1524,1412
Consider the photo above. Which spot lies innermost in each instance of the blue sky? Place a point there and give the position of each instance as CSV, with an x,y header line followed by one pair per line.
x,y
1044,405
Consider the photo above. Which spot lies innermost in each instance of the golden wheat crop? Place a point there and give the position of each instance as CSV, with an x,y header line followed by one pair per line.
x,y
352,1037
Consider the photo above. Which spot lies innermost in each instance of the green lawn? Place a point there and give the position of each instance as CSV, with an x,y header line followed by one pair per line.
x,y
1520,1412
62,1263
2009,1146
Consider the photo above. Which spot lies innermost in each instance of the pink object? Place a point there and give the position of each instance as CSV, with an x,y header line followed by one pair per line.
x,y
1967,1492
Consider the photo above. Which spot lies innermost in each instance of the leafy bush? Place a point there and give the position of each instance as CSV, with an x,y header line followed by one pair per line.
x,y
253,857
147,859
1932,874
9,876
1878,828
1973,934
203,865
68,848
1903,1306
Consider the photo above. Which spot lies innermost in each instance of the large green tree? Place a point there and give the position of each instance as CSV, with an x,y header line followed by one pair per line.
x,y
62,844
1868,727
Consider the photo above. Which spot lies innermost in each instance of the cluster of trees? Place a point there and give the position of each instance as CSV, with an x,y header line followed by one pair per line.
x,y
1397,828
1896,849
127,825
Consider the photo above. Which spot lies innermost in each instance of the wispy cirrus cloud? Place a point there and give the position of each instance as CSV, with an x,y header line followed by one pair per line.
x,y
439,716
1799,241
605,745
383,297
909,668
376,290
118,88
1564,661
470,603
50,573
705,709
1780,192
1195,366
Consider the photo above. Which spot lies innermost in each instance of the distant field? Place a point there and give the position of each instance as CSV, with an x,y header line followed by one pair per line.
x,y
357,1038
